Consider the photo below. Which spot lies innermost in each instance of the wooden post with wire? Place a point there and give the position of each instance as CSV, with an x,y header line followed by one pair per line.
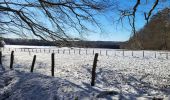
x,y
52,64
106,53
79,51
94,69
155,54
12,60
33,63
0,57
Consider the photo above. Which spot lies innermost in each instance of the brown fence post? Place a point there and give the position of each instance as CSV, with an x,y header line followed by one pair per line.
x,y
12,60
123,53
94,69
52,64
33,63
132,53
143,54
0,57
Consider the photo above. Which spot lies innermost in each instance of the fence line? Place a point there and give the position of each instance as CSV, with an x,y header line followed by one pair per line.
x,y
107,52
122,52
93,77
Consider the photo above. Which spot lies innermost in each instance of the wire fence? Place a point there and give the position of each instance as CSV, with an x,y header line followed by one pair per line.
x,y
92,51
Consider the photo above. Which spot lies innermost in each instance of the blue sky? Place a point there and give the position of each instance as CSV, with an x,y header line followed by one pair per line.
x,y
117,32
111,31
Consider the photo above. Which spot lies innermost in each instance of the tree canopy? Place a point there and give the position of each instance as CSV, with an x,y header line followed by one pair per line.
x,y
53,19
49,19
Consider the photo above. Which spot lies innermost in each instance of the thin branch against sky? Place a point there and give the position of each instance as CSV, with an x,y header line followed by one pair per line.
x,y
73,18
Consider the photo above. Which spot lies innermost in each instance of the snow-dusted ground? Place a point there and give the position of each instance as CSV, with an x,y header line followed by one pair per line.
x,y
118,77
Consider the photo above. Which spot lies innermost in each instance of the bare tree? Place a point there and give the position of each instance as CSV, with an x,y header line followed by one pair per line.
x,y
50,19
138,8
156,33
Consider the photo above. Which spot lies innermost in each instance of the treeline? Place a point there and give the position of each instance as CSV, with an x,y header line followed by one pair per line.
x,y
78,43
155,35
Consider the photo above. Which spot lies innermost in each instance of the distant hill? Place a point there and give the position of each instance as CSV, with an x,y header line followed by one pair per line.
x,y
77,43
155,35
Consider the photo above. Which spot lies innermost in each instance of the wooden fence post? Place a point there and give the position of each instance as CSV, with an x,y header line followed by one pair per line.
x,y
100,52
143,54
69,51
132,53
0,57
166,55
79,51
93,51
58,51
106,52
12,60
86,51
52,64
94,70
33,63
155,54
123,53
29,52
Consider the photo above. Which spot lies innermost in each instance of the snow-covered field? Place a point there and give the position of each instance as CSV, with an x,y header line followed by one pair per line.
x,y
119,74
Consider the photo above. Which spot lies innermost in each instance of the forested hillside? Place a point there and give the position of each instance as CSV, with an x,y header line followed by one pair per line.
x,y
77,43
154,35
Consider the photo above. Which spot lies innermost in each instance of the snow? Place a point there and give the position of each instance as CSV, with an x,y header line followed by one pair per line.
x,y
118,77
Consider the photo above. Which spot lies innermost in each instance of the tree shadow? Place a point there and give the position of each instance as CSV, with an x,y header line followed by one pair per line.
x,y
34,86
129,86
